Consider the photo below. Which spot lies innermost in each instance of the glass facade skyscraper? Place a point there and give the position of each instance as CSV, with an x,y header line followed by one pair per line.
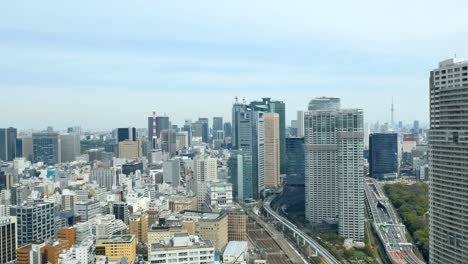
x,y
8,143
383,155
126,133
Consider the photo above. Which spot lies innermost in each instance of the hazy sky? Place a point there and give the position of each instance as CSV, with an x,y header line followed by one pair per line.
x,y
105,64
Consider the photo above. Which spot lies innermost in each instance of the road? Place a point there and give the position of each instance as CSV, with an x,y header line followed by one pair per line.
x,y
385,222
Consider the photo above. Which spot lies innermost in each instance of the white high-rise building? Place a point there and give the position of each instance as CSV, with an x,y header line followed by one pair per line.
x,y
448,163
300,123
334,166
205,169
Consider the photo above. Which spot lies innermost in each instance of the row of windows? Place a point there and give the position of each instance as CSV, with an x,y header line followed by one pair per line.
x,y
464,68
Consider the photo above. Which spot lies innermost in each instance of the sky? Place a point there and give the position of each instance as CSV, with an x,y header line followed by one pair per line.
x,y
106,64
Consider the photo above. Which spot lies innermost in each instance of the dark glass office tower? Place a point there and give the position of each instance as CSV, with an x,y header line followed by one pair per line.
x,y
8,143
126,133
383,155
295,160
205,129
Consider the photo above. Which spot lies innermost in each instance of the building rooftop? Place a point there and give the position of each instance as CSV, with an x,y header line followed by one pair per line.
x,y
116,239
452,61
235,248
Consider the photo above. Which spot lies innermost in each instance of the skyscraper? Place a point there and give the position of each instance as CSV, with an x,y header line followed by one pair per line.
x,y
241,172
334,176
383,156
295,160
35,222
162,122
126,133
205,170
46,147
300,123
266,105
217,124
227,129
448,163
272,150
8,143
168,141
249,131
188,128
205,129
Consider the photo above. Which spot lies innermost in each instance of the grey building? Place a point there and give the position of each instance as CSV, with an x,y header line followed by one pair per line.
x,y
448,163
171,172
240,169
27,148
8,143
227,129
217,124
46,147
334,173
188,128
70,147
87,210
35,222
7,240
105,177
168,141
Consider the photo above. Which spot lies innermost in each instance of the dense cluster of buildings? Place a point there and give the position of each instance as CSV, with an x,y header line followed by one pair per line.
x,y
170,194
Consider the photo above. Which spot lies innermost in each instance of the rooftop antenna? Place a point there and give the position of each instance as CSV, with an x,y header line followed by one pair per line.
x,y
243,99
236,99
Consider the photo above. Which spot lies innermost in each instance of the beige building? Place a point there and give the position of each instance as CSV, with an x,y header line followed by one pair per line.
x,y
272,150
209,226
178,203
116,247
138,226
237,226
205,170
130,149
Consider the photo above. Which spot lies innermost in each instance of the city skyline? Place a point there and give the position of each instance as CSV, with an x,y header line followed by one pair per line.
x,y
76,65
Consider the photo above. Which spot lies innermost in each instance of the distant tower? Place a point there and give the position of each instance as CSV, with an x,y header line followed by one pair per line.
x,y
155,137
392,123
